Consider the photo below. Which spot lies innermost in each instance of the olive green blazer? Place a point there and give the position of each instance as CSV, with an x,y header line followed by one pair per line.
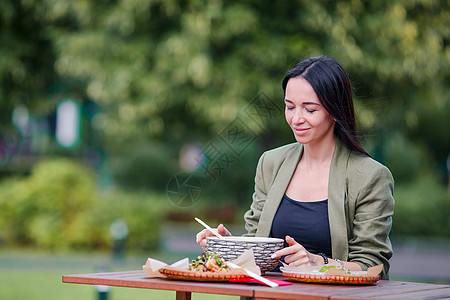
x,y
360,202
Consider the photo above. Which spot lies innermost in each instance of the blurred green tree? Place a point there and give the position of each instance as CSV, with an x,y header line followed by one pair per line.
x,y
26,60
175,71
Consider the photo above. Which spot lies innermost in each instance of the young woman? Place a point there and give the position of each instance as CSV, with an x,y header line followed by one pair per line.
x,y
323,194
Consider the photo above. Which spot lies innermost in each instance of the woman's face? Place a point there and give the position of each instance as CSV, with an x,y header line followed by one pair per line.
x,y
309,120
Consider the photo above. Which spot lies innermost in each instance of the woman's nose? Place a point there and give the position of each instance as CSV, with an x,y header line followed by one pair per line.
x,y
298,118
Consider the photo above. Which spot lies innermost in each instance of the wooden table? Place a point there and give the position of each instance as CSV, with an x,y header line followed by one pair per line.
x,y
380,290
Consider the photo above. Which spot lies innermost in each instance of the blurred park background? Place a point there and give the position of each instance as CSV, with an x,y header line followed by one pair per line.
x,y
121,120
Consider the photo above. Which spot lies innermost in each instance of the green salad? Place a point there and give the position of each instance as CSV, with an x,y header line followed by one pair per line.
x,y
209,262
326,268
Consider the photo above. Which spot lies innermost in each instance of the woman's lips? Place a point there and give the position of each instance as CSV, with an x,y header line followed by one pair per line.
x,y
300,130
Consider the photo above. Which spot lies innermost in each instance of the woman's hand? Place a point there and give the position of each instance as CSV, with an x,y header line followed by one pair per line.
x,y
202,235
297,255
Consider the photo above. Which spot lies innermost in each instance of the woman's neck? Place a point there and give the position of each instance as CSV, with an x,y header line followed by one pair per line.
x,y
319,154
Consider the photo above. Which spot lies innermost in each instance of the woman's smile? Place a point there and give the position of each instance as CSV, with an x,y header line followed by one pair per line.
x,y
300,131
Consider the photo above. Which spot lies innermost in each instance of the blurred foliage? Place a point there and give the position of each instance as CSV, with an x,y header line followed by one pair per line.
x,y
173,70
407,161
144,164
58,207
50,207
161,74
422,209
141,212
230,181
26,56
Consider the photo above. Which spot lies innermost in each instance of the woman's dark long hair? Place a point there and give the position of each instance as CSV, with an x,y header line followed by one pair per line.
x,y
332,86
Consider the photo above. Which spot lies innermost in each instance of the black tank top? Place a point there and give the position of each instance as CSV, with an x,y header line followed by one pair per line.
x,y
306,222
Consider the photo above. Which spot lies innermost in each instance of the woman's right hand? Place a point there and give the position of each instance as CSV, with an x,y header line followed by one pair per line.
x,y
202,235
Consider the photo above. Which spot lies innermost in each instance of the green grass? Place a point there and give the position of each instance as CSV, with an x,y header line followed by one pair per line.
x,y
38,276
46,285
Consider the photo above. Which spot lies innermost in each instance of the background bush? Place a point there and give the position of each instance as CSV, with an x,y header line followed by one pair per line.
x,y
142,212
406,160
145,165
58,206
422,209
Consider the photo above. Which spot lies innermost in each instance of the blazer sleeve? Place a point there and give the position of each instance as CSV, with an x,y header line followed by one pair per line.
x,y
369,243
252,216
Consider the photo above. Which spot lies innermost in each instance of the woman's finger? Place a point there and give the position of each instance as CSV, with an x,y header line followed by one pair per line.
x,y
291,241
299,255
199,237
292,248
285,251
300,262
222,230
202,235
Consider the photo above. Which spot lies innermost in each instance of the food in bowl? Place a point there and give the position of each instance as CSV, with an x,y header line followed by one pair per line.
x,y
209,262
231,247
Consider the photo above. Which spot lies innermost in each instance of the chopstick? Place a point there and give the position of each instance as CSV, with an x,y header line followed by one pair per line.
x,y
254,275
209,228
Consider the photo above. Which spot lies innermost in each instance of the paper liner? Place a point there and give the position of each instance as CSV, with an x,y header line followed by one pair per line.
x,y
333,276
152,266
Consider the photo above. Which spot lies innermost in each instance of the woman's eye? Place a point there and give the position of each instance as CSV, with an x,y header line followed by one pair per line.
x,y
289,107
310,110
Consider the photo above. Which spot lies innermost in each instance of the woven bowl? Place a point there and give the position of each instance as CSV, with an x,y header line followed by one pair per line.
x,y
233,246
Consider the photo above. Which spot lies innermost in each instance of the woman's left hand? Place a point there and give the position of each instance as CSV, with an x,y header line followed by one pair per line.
x,y
296,254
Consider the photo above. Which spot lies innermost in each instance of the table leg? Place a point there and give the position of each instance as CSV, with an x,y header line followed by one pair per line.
x,y
183,295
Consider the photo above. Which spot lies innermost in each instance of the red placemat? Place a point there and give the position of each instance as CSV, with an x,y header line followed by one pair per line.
x,y
252,280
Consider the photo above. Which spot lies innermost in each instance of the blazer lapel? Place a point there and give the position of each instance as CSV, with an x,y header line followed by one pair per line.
x,y
337,197
277,190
